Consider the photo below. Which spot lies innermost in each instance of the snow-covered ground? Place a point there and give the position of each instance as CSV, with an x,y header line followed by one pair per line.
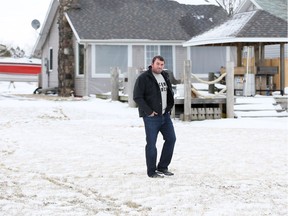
x,y
85,156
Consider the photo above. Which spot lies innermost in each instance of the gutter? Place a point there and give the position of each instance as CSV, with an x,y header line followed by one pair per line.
x,y
224,40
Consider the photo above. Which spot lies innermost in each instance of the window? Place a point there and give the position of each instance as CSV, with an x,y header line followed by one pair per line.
x,y
109,56
51,59
151,51
165,51
80,59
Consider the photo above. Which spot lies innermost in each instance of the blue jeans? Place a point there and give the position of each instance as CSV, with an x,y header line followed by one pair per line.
x,y
154,125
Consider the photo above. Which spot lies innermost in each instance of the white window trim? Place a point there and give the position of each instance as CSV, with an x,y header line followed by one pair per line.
x,y
49,63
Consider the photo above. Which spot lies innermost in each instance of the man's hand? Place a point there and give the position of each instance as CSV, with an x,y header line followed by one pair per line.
x,y
153,114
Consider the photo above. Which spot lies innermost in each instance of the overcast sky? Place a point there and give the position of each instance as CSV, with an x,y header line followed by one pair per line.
x,y
16,17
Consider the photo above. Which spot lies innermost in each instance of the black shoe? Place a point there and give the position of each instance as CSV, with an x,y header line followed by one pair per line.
x,y
165,172
156,175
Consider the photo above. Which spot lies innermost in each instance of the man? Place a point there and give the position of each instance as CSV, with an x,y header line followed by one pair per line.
x,y
154,97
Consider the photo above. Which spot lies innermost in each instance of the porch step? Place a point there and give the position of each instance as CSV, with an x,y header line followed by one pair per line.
x,y
258,106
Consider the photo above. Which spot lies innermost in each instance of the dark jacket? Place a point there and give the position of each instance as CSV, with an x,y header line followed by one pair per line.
x,y
147,94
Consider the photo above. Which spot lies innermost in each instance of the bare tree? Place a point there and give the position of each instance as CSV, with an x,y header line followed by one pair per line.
x,y
229,5
12,52
17,52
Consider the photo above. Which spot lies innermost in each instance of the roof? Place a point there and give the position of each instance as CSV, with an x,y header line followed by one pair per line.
x,y
248,27
275,7
164,20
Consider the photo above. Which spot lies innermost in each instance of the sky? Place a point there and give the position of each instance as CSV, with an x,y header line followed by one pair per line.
x,y
15,22
16,17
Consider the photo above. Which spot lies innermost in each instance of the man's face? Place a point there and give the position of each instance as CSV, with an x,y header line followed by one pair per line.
x,y
157,66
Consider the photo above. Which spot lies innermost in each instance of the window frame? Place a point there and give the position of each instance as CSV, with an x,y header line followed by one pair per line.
x,y
148,59
50,64
78,49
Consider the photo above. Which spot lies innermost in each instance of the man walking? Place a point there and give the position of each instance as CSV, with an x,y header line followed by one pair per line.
x,y
154,97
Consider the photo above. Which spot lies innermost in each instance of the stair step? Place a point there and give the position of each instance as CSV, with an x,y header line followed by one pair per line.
x,y
258,106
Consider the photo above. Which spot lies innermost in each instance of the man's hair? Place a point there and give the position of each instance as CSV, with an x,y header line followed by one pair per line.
x,y
157,57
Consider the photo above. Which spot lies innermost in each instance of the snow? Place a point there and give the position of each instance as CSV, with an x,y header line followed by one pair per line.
x,y
229,28
20,60
85,156
258,106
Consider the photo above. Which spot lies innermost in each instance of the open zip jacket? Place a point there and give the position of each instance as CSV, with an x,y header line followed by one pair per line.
x,y
147,94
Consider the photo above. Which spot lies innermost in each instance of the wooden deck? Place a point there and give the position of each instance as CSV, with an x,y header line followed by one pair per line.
x,y
202,101
202,108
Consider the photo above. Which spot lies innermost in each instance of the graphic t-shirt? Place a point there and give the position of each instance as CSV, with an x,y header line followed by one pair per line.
x,y
163,88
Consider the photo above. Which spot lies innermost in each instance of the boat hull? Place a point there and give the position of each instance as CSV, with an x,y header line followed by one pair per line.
x,y
18,68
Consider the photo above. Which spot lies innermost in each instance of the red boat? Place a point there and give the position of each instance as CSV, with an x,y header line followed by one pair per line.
x,y
21,69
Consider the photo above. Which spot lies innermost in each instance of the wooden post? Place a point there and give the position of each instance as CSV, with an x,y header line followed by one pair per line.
x,y
115,84
230,89
173,112
257,55
187,90
282,68
211,87
239,55
132,74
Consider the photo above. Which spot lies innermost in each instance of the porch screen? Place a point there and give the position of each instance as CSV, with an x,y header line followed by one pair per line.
x,y
108,56
207,59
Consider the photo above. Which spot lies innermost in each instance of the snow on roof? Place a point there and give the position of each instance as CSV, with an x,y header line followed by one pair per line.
x,y
231,27
20,60
252,26
226,30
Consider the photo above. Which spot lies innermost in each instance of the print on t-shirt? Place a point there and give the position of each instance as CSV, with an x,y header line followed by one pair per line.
x,y
162,86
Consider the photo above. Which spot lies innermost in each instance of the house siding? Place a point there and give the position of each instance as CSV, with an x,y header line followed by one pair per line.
x,y
51,80
138,57
79,86
99,85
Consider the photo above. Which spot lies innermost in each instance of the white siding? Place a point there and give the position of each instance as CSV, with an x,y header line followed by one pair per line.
x,y
51,42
